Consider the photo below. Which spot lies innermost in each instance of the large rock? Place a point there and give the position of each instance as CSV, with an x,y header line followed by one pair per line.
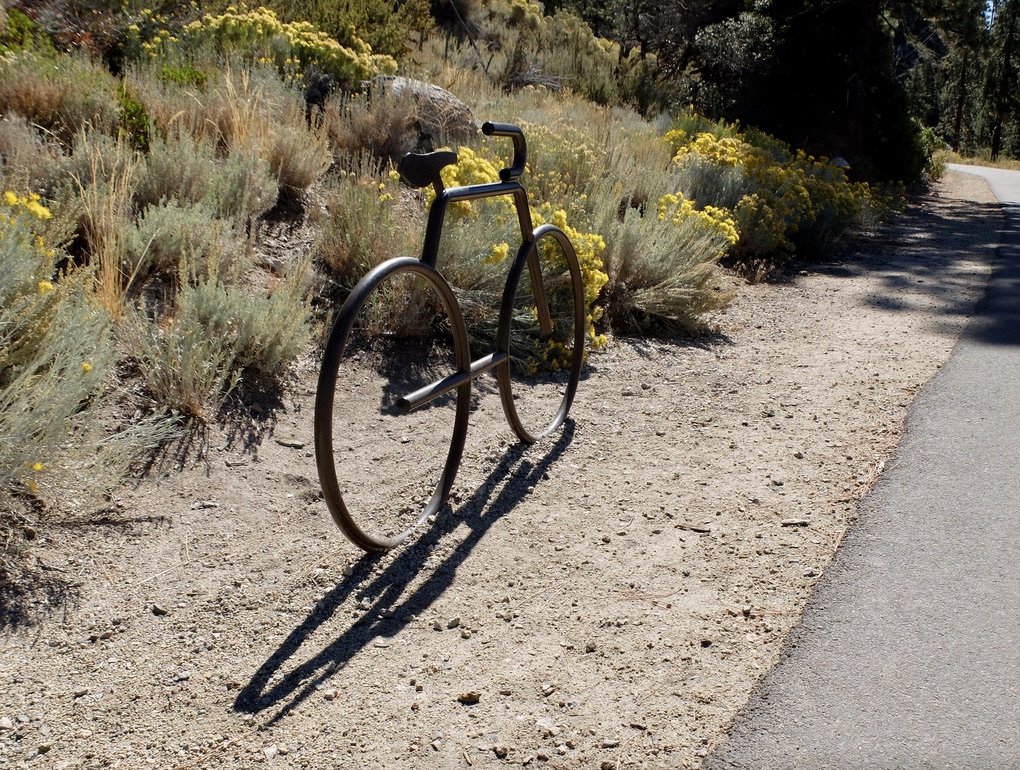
x,y
441,118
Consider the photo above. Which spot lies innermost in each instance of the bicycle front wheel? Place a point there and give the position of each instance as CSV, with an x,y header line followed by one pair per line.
x,y
542,329
385,468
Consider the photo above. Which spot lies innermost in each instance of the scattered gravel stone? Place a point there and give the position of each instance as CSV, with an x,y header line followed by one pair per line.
x,y
6,723
610,743
469,698
590,647
501,751
291,443
794,523
547,727
453,622
270,752
158,609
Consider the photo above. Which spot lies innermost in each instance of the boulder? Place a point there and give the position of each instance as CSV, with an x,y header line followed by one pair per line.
x,y
440,117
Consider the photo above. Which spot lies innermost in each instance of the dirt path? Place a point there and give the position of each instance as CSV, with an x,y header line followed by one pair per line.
x,y
603,600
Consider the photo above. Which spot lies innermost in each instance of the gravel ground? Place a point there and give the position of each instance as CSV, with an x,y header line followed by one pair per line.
x,y
604,599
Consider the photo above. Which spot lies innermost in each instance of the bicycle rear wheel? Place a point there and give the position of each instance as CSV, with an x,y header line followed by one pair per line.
x,y
538,383
383,469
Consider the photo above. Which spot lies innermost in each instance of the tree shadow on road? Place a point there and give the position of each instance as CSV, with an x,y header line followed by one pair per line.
x,y
387,612
930,258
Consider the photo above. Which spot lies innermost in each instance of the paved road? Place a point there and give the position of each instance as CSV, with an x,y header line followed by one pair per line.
x,y
908,655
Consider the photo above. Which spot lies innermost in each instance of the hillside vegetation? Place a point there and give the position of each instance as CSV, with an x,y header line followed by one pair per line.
x,y
144,154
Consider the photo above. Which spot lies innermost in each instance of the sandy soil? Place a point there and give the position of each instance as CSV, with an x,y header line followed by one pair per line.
x,y
605,599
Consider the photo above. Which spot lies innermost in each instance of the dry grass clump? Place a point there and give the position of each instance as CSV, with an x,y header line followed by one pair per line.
x,y
298,155
105,190
381,125
62,96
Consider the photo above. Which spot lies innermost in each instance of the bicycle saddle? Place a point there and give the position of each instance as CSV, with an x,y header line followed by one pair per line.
x,y
423,170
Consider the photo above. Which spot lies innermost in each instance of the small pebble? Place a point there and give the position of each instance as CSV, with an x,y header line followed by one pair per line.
x,y
453,622
469,698
610,743
159,610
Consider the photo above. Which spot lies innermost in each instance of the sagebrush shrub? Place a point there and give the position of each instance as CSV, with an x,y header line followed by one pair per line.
x,y
193,359
363,225
173,234
243,187
663,272
26,157
178,167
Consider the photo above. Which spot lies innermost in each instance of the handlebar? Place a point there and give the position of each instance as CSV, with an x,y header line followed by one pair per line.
x,y
520,148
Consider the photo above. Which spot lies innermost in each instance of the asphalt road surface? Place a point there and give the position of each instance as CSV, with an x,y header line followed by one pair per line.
x,y
908,655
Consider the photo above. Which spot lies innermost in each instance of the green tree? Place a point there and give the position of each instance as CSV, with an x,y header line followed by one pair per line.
x,y
831,89
1001,81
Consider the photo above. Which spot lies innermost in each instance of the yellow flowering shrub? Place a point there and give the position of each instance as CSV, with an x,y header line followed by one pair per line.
x,y
472,167
677,209
260,35
51,338
470,222
775,199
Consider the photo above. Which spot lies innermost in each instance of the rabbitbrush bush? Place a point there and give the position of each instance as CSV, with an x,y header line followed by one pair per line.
x,y
780,201
259,36
56,350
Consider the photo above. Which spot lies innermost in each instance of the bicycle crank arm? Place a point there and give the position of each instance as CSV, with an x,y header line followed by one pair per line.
x,y
430,392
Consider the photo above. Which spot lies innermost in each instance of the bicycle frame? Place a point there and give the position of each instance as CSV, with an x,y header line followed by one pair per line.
x,y
527,253
420,171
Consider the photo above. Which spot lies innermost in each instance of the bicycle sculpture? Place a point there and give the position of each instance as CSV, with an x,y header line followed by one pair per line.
x,y
383,397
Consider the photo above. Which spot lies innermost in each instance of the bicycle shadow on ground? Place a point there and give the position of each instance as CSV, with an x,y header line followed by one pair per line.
x,y
514,474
